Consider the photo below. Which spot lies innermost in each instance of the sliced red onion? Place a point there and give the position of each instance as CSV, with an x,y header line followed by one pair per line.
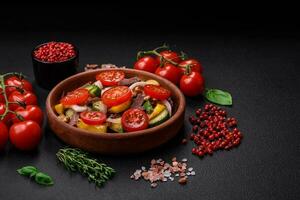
x,y
141,83
99,84
168,106
77,108
104,90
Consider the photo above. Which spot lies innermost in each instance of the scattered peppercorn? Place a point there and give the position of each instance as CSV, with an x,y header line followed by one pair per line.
x,y
213,131
55,52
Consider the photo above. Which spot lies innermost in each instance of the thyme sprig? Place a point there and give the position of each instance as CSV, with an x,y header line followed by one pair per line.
x,y
76,160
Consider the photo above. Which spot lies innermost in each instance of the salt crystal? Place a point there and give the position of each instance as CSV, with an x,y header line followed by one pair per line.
x,y
167,174
190,169
153,185
193,173
143,168
153,162
184,160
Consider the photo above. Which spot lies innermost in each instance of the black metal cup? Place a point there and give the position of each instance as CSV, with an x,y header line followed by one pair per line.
x,y
48,74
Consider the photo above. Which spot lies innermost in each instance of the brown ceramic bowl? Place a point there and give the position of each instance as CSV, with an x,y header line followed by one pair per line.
x,y
115,143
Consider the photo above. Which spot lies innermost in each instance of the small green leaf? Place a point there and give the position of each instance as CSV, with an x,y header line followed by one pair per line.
x,y
43,179
28,171
218,96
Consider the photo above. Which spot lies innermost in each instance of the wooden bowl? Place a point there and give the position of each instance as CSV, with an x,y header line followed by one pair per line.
x,y
115,143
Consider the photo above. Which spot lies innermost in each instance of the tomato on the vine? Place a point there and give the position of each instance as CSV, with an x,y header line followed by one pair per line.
x,y
116,95
157,92
76,97
170,72
3,135
28,98
192,84
93,117
194,65
170,55
25,135
110,78
14,81
147,63
2,99
8,117
134,120
30,112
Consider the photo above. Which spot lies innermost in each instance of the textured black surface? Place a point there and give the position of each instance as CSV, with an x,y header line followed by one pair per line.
x,y
261,70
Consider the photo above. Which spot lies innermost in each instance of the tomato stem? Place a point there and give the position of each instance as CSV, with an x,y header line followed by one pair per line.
x,y
163,60
187,69
3,87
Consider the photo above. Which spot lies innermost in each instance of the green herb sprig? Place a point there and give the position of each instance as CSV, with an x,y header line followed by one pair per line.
x,y
39,177
77,160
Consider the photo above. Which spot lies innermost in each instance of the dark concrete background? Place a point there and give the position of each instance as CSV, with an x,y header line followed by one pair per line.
x,y
258,64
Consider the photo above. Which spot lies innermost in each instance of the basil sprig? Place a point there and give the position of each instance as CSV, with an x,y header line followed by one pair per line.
x,y
39,177
218,96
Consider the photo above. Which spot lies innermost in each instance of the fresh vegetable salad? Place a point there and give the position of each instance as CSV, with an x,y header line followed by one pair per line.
x,y
114,103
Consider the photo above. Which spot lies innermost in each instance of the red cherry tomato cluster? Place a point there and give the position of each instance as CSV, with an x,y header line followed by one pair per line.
x,y
20,117
186,73
213,131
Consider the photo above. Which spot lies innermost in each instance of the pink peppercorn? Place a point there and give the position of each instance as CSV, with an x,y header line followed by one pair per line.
x,y
55,52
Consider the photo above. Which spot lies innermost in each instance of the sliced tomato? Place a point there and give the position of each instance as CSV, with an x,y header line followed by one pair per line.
x,y
157,92
134,120
76,97
110,78
116,95
93,117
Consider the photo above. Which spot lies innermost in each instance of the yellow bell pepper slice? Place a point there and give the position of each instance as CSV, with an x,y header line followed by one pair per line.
x,y
157,110
59,108
152,82
93,128
121,107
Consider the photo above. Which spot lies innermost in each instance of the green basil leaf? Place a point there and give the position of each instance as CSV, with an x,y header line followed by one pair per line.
x,y
28,171
218,96
43,179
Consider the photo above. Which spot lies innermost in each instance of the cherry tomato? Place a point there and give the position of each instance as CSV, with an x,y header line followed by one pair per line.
x,y
7,119
76,97
134,120
170,55
170,72
146,63
116,95
110,78
195,65
16,81
3,135
192,84
2,100
93,117
30,112
157,92
26,97
25,135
